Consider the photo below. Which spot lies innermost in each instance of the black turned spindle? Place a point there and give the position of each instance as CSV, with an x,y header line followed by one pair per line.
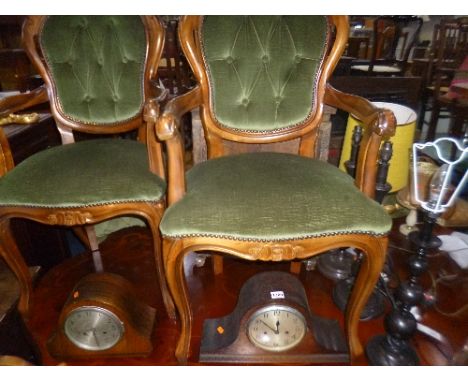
x,y
382,187
394,349
425,238
350,164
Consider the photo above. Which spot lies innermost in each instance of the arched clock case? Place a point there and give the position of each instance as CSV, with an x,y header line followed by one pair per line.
x,y
272,323
103,318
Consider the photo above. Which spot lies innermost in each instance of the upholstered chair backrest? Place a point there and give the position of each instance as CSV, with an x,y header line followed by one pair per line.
x,y
97,69
262,70
96,65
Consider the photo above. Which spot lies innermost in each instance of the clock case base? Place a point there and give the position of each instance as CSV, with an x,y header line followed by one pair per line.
x,y
116,294
225,339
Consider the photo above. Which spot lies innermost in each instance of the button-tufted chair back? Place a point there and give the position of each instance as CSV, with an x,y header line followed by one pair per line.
x,y
96,68
262,70
262,79
96,65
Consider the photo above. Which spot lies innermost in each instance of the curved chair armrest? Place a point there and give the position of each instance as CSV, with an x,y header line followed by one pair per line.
x,y
23,101
159,96
167,129
378,123
151,114
174,110
6,157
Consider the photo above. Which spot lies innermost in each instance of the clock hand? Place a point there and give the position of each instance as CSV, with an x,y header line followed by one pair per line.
x,y
95,337
269,327
277,327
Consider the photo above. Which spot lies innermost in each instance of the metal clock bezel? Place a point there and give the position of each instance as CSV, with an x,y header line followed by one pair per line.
x,y
99,309
269,308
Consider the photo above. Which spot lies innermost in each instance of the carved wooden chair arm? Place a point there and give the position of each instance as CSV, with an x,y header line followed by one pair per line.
x,y
147,134
174,111
378,123
168,130
151,113
159,96
23,101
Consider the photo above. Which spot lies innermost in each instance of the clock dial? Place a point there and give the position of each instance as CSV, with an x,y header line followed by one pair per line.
x,y
276,328
93,328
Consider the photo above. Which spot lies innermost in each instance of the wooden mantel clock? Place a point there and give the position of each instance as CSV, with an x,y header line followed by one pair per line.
x,y
103,318
272,323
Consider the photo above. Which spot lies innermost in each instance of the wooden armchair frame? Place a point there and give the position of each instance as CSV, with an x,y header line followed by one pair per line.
x,y
144,122
380,121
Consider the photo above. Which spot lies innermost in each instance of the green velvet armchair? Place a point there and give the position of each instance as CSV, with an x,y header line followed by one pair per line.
x,y
262,80
98,73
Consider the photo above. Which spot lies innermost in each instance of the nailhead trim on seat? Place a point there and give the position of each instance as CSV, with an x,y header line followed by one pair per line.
x,y
228,237
82,205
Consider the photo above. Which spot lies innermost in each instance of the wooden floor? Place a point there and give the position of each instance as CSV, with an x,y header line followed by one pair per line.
x,y
128,253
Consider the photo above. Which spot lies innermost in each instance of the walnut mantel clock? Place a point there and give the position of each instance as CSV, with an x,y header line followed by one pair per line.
x,y
103,318
272,323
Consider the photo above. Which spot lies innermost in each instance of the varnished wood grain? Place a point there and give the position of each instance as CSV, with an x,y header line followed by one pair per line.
x,y
128,253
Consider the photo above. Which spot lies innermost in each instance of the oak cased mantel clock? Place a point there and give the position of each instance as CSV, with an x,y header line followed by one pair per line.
x,y
103,318
272,323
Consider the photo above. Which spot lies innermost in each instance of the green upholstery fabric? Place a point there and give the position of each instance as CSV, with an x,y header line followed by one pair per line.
x,y
97,64
271,196
262,69
94,172
106,227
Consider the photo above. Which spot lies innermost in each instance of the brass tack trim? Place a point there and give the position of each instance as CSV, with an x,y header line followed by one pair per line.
x,y
248,239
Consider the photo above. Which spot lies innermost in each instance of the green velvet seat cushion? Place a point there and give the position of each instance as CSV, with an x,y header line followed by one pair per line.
x,y
86,173
271,196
